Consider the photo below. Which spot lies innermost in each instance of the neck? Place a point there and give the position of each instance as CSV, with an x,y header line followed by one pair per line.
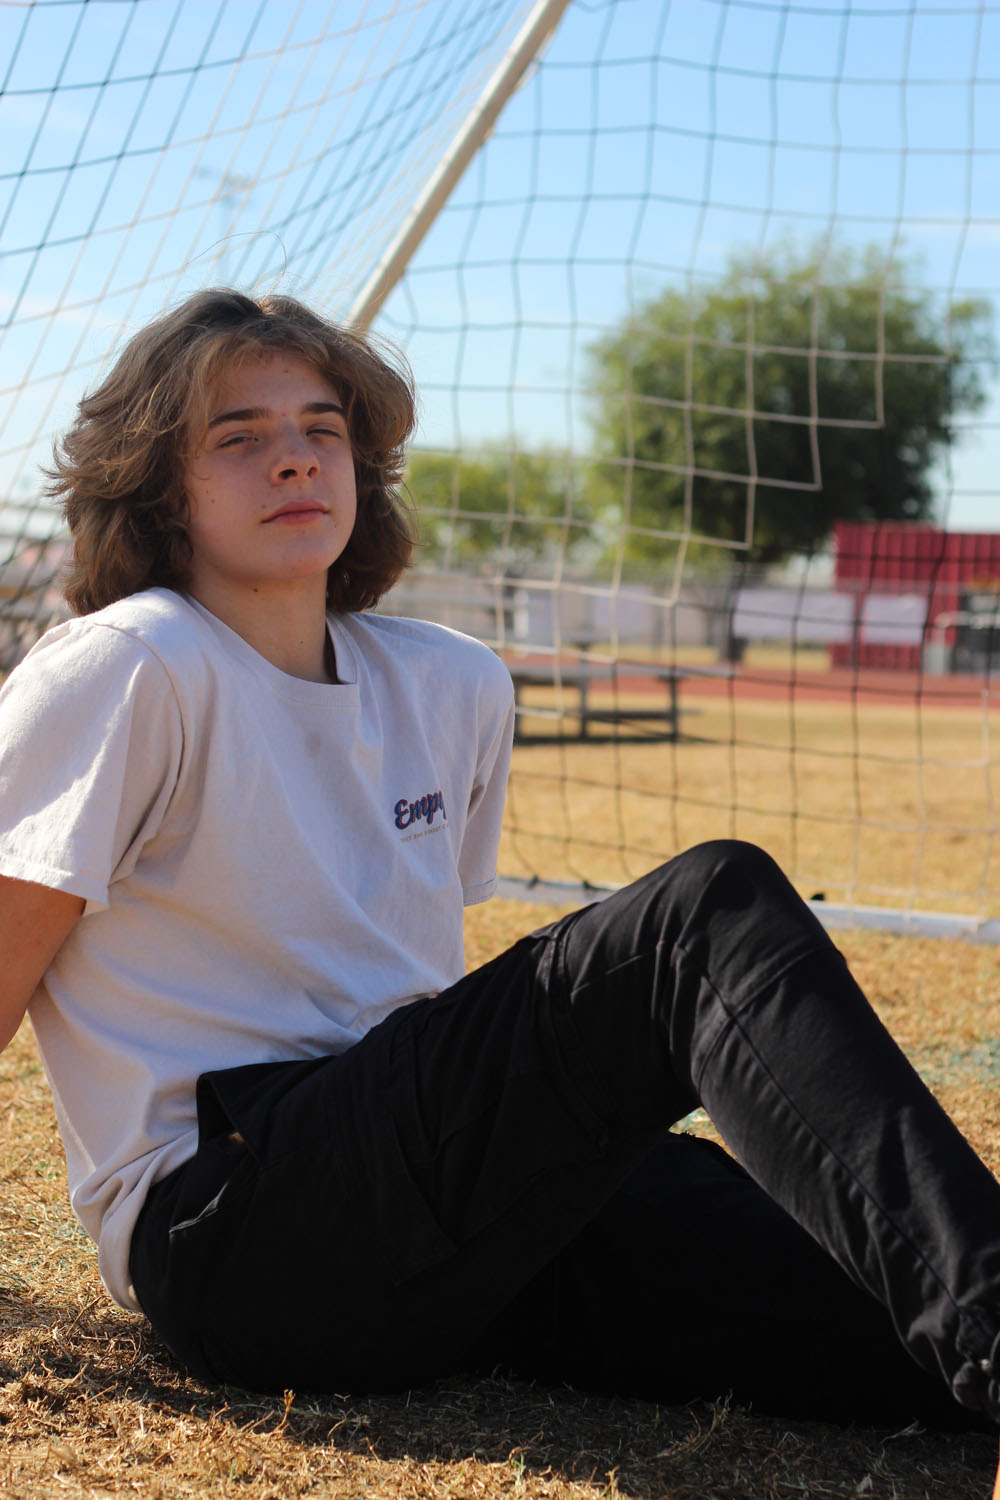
x,y
285,626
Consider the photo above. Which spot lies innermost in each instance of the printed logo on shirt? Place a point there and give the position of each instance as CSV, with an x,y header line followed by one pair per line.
x,y
424,810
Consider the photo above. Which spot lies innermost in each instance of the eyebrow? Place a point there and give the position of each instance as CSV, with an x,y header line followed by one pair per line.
x,y
256,413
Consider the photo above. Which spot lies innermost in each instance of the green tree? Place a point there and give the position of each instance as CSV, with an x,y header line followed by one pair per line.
x,y
832,381
500,505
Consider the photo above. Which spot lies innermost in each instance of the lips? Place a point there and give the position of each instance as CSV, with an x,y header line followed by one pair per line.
x,y
296,510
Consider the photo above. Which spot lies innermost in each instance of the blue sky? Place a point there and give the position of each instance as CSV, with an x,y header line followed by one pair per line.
x,y
154,147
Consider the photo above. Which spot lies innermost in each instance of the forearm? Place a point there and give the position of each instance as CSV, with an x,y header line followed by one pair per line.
x,y
35,921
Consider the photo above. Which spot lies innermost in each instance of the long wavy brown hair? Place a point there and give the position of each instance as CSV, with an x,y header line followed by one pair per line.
x,y
119,470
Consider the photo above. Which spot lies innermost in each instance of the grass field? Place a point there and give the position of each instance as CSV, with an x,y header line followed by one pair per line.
x,y
91,1406
867,802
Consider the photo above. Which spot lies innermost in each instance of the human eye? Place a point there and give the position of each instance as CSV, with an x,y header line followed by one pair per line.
x,y
235,440
329,427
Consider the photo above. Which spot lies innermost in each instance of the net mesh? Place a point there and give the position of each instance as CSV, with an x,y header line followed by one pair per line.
x,y
704,342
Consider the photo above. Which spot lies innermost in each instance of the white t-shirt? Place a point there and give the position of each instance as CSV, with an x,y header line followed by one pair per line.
x,y
270,865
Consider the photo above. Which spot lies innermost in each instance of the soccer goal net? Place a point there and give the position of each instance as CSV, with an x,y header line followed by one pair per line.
x,y
699,298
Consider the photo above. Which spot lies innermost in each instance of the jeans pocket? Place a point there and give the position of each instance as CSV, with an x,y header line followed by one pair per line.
x,y
222,1155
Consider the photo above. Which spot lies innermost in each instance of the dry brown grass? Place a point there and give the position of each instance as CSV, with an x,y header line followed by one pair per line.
x,y
871,803
91,1406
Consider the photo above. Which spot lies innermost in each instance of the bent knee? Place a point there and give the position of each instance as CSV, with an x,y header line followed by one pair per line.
x,y
728,873
716,856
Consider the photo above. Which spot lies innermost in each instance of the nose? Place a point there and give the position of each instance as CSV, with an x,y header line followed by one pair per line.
x,y
294,458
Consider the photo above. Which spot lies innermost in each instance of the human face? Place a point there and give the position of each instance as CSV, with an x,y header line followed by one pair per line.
x,y
270,486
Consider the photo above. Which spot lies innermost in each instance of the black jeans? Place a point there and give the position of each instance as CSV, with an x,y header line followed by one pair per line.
x,y
487,1177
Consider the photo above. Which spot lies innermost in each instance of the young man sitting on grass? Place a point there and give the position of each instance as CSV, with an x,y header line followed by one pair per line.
x,y
239,817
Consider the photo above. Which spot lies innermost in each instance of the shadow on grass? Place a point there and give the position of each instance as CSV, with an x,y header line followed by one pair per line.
x,y
64,1366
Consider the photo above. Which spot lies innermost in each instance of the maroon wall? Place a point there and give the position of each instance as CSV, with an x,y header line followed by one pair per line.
x,y
900,558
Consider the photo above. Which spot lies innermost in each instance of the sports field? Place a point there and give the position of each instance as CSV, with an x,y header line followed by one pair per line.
x,y
91,1406
865,794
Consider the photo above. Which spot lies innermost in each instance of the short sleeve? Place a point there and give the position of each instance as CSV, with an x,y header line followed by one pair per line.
x,y
90,748
478,858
